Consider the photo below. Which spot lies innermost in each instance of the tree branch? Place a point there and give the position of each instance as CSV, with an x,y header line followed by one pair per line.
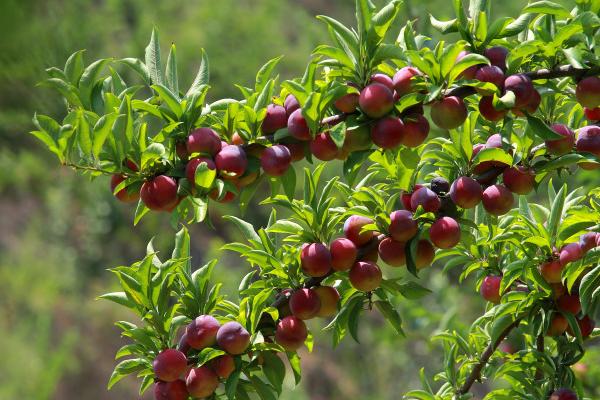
x,y
485,357
539,346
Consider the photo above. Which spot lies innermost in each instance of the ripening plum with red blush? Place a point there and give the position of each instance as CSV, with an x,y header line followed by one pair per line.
x,y
551,271
593,114
124,195
466,192
588,92
488,111
290,104
201,382
403,80
175,390
425,254
343,254
497,200
519,179
347,103
445,233
392,252
297,126
223,365
588,140
405,197
384,80
522,87
491,74
329,298
558,325
570,252
490,288
563,394
276,160
376,100
563,145
203,140
449,113
426,198
169,364
569,303
275,119
305,303
531,107
353,227
202,332
231,161
402,225
587,241
159,193
315,259
233,338
470,72
291,333
497,56
365,276
323,147
388,133
416,129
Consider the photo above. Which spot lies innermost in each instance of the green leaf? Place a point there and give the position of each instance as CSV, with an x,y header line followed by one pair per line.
x,y
556,211
493,154
170,99
391,315
125,368
74,67
152,153
289,182
274,370
547,7
139,67
265,73
88,80
444,27
119,298
204,177
171,73
541,129
153,60
467,61
245,228
412,290
202,77
84,134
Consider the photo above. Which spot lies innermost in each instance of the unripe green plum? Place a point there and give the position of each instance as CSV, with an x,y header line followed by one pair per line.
x,y
365,276
169,365
175,390
343,254
490,288
392,252
449,113
297,126
201,382
276,160
329,297
305,303
223,366
203,140
402,225
275,119
519,179
291,333
551,271
315,259
466,192
353,227
388,133
562,146
425,198
376,100
445,233
202,332
416,129
233,338
588,92
497,200
323,147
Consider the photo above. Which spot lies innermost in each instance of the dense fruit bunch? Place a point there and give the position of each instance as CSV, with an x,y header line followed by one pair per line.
x,y
439,143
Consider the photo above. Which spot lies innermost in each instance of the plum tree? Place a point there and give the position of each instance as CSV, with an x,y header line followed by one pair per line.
x,y
233,338
392,194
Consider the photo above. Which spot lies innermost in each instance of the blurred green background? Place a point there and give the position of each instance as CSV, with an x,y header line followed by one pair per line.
x,y
59,231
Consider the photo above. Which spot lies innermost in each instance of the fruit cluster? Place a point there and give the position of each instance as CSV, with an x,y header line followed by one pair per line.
x,y
171,365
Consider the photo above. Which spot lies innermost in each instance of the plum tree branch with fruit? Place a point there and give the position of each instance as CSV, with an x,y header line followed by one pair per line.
x,y
515,105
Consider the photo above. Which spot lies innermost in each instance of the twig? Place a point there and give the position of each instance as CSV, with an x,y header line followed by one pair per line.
x,y
485,357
